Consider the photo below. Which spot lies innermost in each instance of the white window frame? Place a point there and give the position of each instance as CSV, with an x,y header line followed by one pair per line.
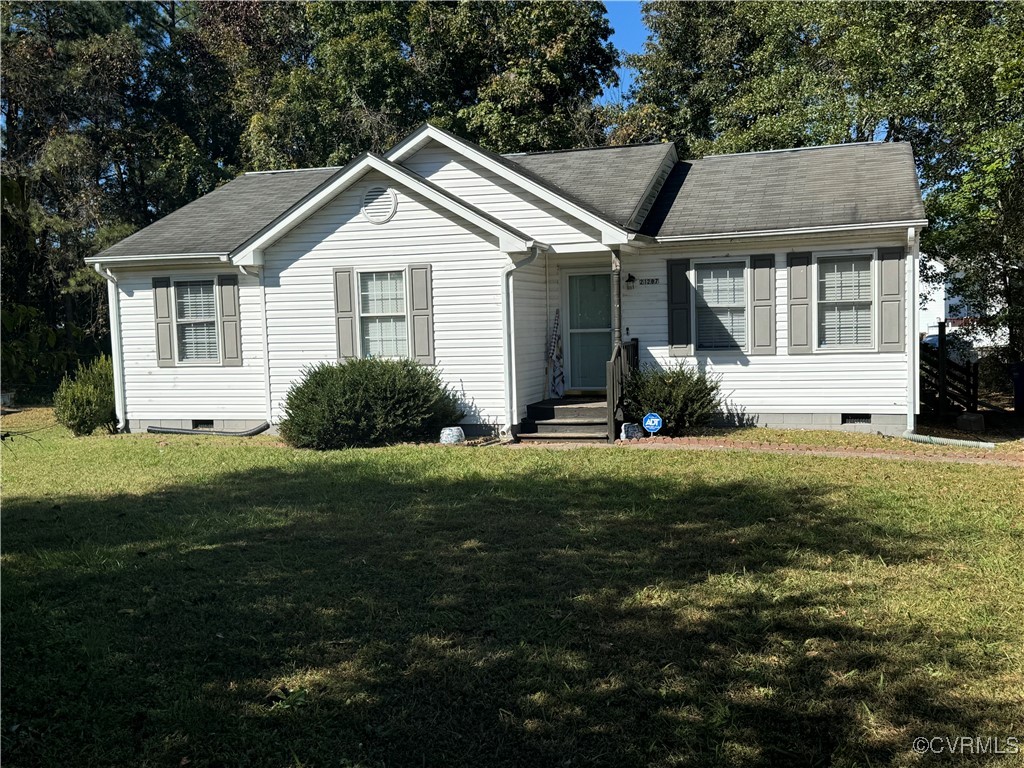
x,y
359,309
819,256
211,362
692,276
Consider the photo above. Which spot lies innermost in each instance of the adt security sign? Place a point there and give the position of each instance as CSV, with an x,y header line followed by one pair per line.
x,y
652,422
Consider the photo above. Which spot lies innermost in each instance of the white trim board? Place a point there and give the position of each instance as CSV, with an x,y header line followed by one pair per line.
x,y
611,234
509,240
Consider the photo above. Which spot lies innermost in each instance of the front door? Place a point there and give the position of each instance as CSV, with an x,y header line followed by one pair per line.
x,y
589,329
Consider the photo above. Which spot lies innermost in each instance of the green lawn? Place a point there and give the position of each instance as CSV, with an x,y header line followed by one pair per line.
x,y
175,601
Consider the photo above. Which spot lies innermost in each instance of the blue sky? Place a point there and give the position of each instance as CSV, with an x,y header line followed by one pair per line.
x,y
629,36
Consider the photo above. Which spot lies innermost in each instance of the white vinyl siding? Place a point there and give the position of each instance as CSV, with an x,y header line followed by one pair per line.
x,y
383,324
844,302
195,309
721,305
529,295
843,381
499,197
466,270
188,392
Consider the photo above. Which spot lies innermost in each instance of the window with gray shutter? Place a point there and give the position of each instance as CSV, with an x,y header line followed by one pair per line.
x,y
680,338
721,305
844,302
382,320
196,321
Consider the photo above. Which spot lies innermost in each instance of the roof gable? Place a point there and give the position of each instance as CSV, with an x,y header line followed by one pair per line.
x,y
509,239
612,232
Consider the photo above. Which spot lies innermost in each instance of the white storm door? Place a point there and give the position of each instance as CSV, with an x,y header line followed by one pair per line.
x,y
589,326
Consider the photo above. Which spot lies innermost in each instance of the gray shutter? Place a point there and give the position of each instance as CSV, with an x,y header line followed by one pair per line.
x,y
230,320
799,286
345,313
762,304
164,322
680,334
891,300
421,314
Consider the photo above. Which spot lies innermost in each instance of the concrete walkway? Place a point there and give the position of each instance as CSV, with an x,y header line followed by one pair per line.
x,y
713,444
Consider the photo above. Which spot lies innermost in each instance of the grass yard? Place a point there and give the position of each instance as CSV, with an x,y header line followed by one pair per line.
x,y
172,601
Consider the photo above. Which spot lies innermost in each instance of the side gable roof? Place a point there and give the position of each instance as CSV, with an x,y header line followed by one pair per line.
x,y
811,188
616,181
222,220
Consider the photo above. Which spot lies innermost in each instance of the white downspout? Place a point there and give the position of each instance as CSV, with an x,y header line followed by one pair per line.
x,y
913,256
508,352
116,352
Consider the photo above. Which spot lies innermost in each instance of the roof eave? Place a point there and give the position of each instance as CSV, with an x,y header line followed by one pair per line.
x,y
102,258
793,231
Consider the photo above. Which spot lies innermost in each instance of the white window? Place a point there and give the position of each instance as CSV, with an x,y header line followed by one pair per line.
x,y
383,324
195,311
721,305
844,302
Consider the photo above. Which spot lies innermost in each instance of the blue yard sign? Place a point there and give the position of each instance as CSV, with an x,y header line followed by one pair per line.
x,y
652,422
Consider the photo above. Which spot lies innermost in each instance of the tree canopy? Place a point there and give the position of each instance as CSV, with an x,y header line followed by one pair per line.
x,y
947,77
115,114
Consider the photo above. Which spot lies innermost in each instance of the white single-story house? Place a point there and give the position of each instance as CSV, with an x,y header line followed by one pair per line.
x,y
790,274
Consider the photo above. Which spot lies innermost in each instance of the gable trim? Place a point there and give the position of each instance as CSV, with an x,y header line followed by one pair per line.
x,y
510,240
611,234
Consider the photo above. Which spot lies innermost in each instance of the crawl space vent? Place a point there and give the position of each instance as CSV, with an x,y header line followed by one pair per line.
x,y
379,204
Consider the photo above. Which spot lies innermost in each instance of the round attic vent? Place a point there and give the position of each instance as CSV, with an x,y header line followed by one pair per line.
x,y
379,204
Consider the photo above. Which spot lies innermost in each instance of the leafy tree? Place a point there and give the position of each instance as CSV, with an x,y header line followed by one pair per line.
x,y
114,114
510,75
728,77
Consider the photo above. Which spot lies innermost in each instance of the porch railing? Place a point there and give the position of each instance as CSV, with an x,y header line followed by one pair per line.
x,y
625,358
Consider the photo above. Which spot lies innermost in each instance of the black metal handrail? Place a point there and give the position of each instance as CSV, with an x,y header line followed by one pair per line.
x,y
625,358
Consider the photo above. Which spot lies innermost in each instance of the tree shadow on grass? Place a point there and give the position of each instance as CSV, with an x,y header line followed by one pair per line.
x,y
377,613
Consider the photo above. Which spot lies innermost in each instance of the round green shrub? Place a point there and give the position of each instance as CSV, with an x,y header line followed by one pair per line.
x,y
684,396
367,402
85,402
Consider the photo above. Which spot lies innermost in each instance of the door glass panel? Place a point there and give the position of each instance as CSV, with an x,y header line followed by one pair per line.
x,y
590,330
590,353
590,301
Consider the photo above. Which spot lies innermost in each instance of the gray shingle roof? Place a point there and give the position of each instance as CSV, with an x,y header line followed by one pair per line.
x,y
815,187
611,181
226,218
